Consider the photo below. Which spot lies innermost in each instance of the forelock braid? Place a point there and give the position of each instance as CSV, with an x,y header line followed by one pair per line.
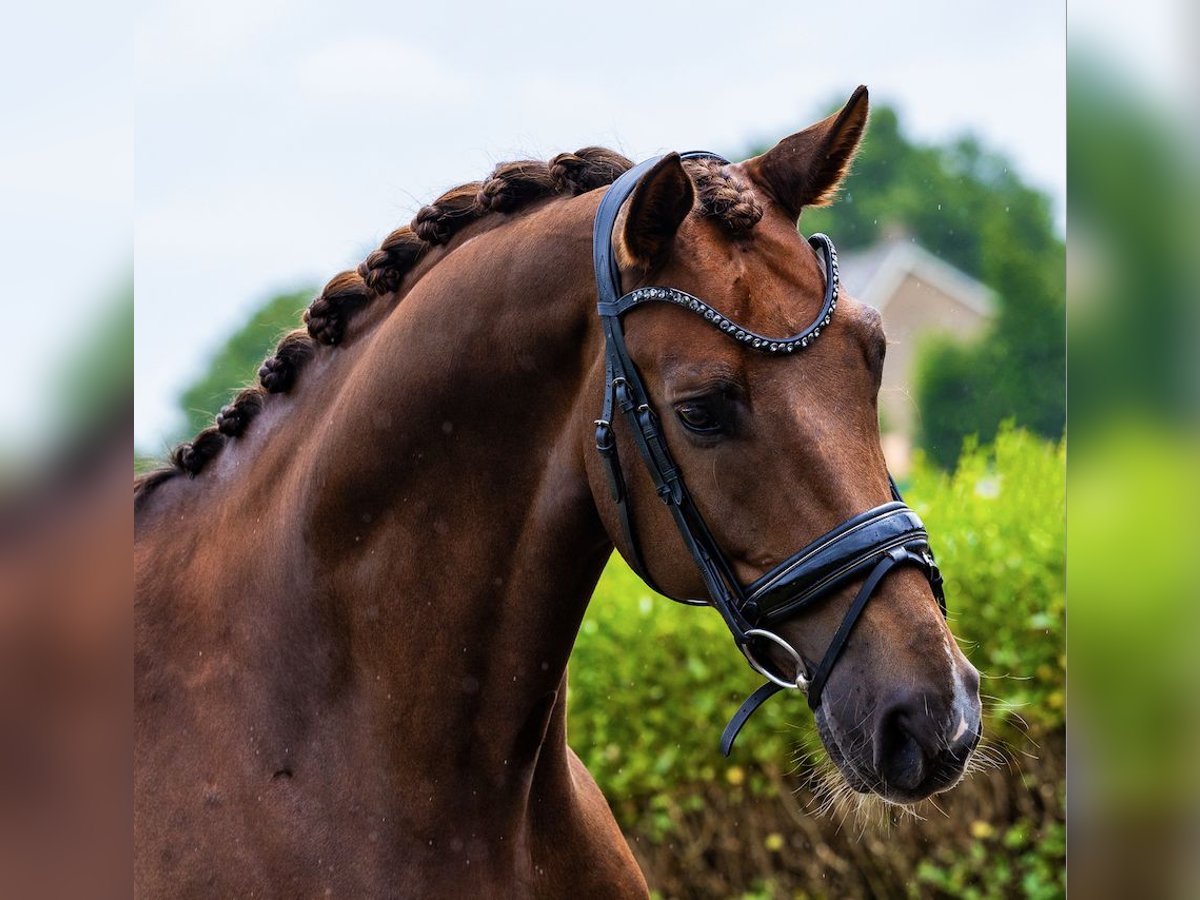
x,y
724,196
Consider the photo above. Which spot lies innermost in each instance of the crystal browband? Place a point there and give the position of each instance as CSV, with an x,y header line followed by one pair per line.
x,y
733,329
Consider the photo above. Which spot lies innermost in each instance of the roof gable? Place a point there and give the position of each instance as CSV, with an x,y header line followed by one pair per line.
x,y
875,274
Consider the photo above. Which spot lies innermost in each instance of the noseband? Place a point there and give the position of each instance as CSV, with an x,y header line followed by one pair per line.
x,y
867,546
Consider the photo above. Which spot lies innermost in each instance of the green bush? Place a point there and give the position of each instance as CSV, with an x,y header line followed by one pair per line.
x,y
998,525
652,684
1006,863
949,376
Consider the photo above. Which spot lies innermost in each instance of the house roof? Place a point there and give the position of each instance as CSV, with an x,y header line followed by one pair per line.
x,y
873,274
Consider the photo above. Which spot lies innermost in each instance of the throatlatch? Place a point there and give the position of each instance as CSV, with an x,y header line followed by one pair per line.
x,y
867,546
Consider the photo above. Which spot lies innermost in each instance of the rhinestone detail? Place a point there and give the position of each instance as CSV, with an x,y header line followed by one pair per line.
x,y
737,332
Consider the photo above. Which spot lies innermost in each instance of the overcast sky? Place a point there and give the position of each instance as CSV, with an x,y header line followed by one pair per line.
x,y
277,143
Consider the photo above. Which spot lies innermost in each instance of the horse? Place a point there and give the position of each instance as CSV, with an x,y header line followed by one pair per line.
x,y
358,590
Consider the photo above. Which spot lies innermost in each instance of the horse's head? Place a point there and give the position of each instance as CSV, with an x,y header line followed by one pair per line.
x,y
776,450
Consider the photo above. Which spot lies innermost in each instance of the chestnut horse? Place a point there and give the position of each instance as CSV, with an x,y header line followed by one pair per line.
x,y
358,591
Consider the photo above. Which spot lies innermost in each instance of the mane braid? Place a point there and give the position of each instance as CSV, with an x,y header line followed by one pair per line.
x,y
510,187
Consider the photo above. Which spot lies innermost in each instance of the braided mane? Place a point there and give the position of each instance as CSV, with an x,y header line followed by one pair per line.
x,y
510,187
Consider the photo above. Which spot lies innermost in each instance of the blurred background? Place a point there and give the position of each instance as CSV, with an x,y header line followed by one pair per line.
x,y
1133,285
277,144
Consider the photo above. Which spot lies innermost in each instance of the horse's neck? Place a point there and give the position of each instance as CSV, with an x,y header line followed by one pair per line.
x,y
445,512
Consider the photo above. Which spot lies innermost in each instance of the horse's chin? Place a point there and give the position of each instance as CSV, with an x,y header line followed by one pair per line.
x,y
834,748
867,783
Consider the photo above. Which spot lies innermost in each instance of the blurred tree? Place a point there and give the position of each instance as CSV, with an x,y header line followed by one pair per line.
x,y
1134,192
950,379
965,204
236,363
95,382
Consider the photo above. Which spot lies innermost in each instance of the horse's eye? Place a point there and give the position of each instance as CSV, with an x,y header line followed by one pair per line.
x,y
698,417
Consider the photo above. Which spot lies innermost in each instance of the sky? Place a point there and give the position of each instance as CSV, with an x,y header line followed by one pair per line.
x,y
66,202
277,143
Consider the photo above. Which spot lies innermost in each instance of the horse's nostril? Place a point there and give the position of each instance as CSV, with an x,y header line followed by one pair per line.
x,y
914,752
900,758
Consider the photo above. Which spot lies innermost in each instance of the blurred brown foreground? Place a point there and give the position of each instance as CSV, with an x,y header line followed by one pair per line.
x,y
66,669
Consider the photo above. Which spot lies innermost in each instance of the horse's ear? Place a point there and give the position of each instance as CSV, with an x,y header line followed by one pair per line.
x,y
659,204
806,168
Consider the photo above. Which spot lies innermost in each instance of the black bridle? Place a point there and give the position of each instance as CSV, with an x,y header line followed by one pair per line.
x,y
868,545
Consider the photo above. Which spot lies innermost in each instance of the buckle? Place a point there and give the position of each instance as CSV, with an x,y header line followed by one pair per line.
x,y
620,388
605,439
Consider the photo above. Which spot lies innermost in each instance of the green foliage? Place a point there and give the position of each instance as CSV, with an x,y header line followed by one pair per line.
x,y
1131,567
96,381
236,363
940,194
1133,194
652,683
966,206
999,864
651,687
951,380
998,528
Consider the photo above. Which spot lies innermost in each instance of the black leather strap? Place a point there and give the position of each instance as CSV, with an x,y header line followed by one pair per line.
x,y
623,385
606,446
745,711
843,555
817,686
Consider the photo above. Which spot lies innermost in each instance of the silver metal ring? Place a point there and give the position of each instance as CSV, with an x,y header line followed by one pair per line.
x,y
801,682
